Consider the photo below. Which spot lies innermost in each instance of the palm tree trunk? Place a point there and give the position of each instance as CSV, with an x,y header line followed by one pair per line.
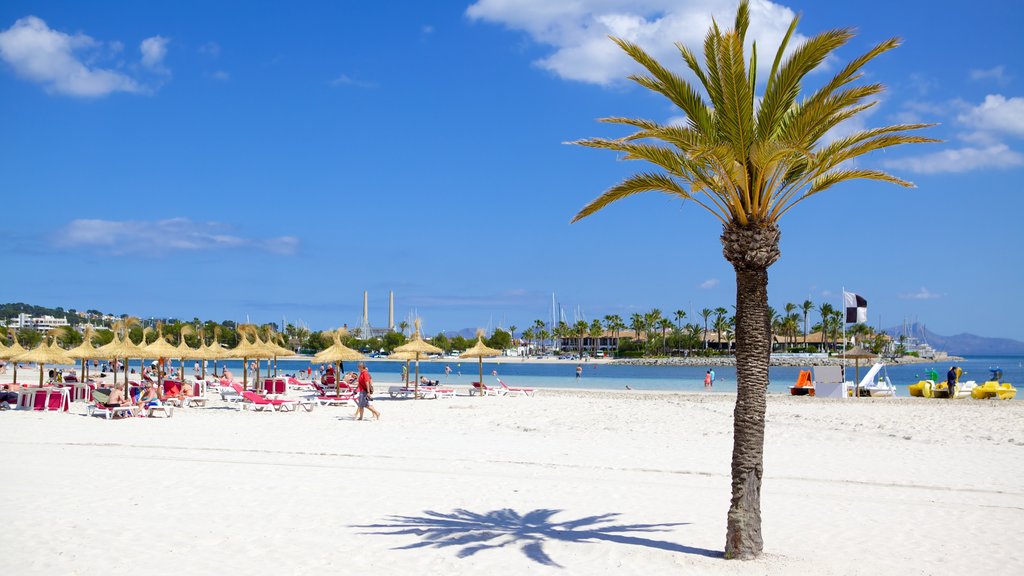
x,y
751,251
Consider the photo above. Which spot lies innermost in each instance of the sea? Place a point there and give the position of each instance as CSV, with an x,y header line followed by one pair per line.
x,y
517,372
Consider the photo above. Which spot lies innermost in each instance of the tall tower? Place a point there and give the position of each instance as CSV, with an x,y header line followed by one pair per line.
x,y
364,327
391,310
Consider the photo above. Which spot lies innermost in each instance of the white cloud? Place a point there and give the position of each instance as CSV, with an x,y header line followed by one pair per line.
x,y
52,59
578,31
154,49
346,80
162,236
210,49
997,114
960,160
221,75
922,294
708,284
987,125
427,29
997,73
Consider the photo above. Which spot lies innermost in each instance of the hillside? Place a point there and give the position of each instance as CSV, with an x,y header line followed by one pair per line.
x,y
962,344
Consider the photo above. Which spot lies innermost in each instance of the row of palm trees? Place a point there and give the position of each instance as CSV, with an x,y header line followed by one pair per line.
x,y
661,334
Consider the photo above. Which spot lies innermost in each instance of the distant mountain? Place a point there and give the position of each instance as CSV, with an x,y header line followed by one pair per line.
x,y
961,344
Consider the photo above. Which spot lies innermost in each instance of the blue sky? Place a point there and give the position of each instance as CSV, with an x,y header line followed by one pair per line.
x,y
250,159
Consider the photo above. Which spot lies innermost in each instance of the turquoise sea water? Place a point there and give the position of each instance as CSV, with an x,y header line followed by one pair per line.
x,y
668,378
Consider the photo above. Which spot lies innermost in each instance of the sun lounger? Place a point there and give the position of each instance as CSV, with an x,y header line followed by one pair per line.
x,y
98,407
530,392
256,403
164,408
46,399
484,389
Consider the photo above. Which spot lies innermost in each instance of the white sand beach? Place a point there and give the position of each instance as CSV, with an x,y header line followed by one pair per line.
x,y
569,482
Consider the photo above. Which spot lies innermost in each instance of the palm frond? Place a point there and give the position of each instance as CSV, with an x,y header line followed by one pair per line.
x,y
636,184
668,83
784,87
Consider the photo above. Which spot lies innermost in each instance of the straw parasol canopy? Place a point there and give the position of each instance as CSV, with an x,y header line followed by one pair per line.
x,y
858,354
45,353
183,350
160,349
12,351
85,351
407,356
335,354
418,347
123,348
480,351
246,350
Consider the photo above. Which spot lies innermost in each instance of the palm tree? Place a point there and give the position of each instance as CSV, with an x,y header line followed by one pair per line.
x,y
679,315
748,161
579,329
512,333
614,323
665,324
806,308
403,326
595,331
825,310
705,314
543,334
719,315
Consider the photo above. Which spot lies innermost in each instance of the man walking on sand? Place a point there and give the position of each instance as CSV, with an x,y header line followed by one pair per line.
x,y
363,391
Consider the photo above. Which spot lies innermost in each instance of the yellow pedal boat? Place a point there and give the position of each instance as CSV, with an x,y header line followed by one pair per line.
x,y
995,388
1003,391
932,387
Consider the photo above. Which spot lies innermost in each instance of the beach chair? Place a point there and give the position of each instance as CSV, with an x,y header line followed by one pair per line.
x,y
231,393
509,391
256,403
485,390
325,399
274,386
97,408
153,407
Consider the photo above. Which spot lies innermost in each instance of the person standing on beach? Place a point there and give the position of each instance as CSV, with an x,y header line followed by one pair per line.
x,y
951,382
712,373
579,371
707,380
363,391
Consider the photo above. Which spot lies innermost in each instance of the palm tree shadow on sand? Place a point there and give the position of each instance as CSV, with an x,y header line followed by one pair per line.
x,y
472,532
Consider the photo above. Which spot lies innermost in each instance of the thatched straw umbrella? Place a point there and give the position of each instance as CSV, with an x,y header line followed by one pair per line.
x,y
408,357
183,350
85,351
212,352
246,350
858,354
9,352
418,347
480,351
45,353
337,353
161,349
278,349
124,349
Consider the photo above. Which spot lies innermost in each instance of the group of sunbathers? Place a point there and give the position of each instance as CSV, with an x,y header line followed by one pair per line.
x,y
151,395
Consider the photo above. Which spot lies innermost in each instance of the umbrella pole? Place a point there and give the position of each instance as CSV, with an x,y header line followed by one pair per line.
x,y
416,383
275,366
245,374
40,374
407,373
481,376
337,381
126,376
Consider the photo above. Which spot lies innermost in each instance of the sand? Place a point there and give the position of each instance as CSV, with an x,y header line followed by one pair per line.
x,y
571,482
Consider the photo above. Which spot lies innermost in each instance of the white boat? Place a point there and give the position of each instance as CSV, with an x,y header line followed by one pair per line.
x,y
875,383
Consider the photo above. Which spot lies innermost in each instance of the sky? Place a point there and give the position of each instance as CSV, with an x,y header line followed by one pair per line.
x,y
270,161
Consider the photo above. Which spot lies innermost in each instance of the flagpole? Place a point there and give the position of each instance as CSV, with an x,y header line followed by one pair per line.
x,y
843,308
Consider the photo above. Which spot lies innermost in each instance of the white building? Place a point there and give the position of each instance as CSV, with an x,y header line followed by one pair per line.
x,y
41,323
